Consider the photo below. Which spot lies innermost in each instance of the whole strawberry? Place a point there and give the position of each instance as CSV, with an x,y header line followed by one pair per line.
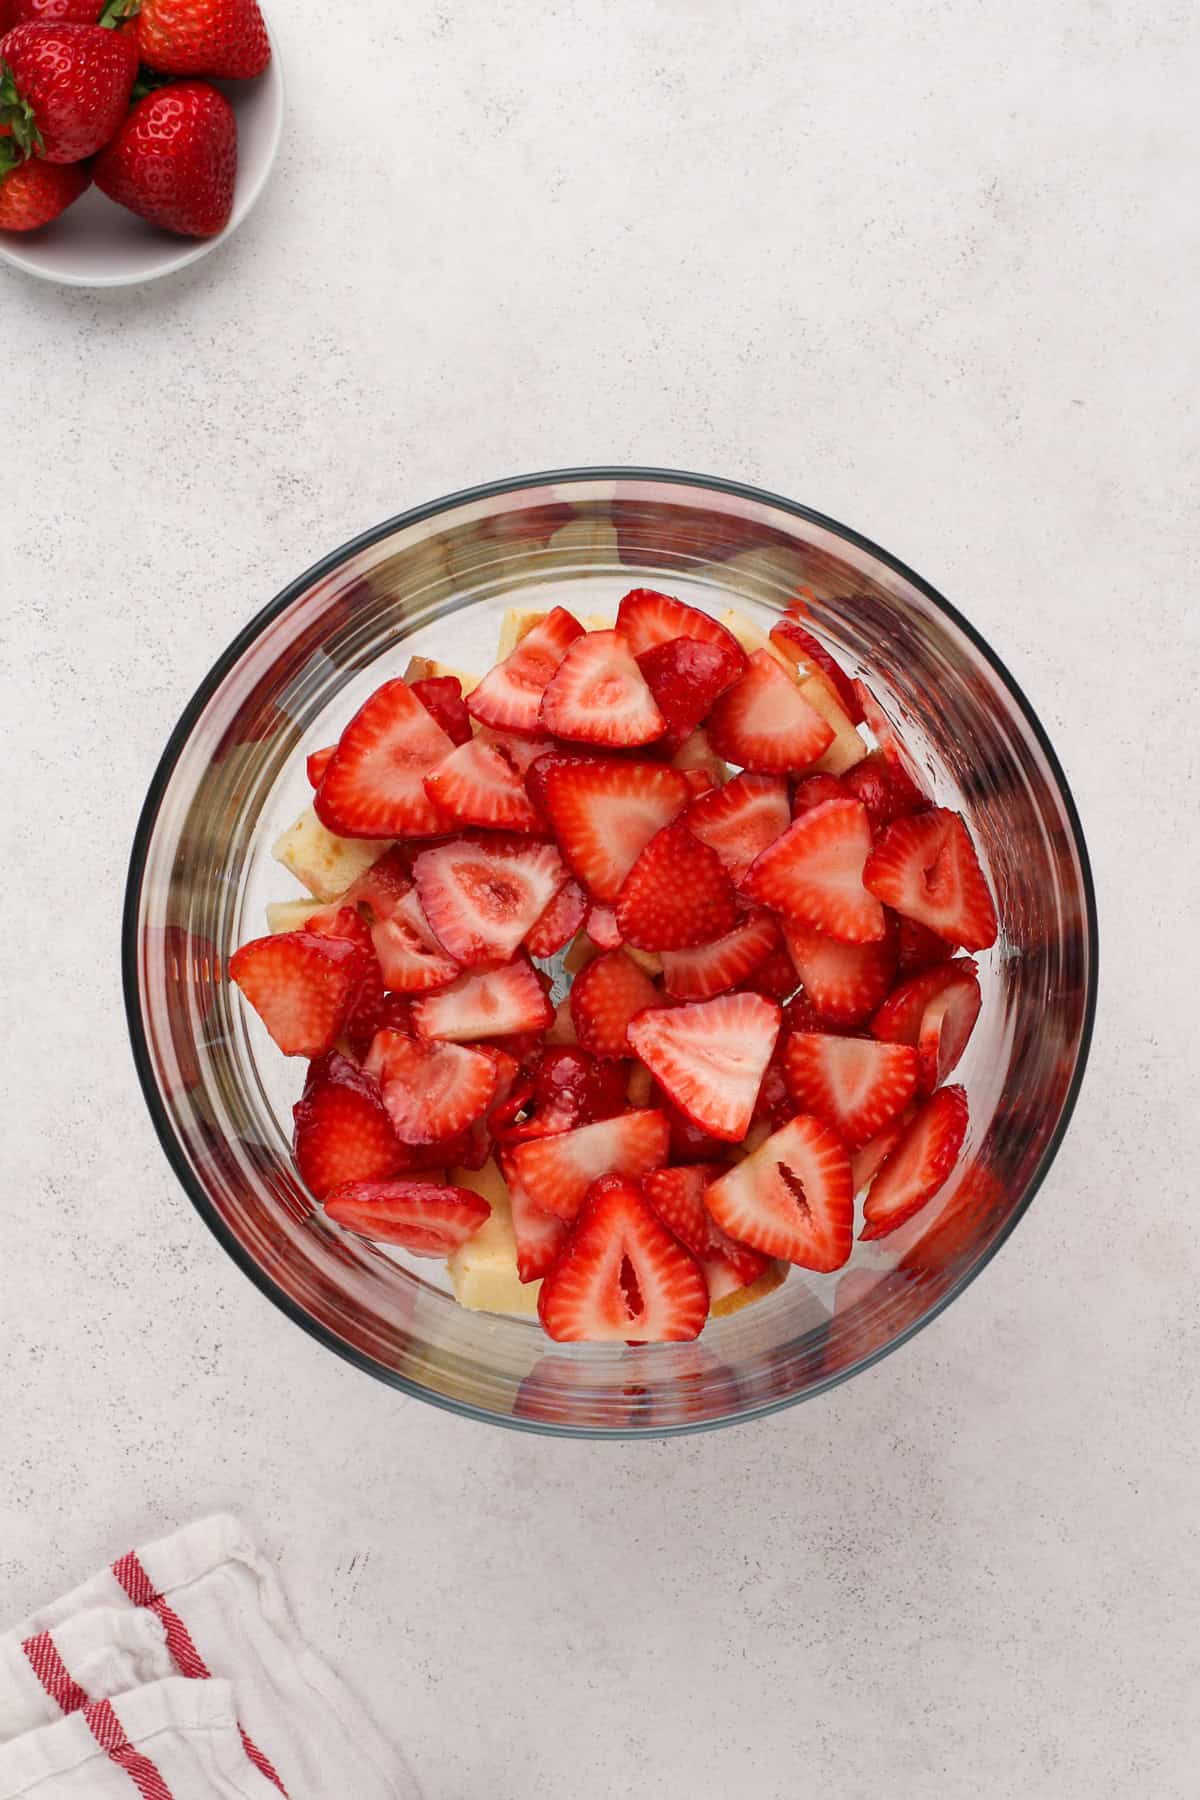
x,y
54,12
224,38
33,192
64,89
174,161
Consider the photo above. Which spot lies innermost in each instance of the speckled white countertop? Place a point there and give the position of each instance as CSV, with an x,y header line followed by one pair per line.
x,y
932,269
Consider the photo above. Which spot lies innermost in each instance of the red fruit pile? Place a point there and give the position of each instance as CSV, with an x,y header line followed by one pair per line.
x,y
767,1000
107,91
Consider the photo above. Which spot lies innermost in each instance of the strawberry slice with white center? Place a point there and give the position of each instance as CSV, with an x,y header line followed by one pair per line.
x,y
605,996
559,923
648,618
920,1163
622,1276
598,695
857,1085
422,1217
685,675
605,812
540,1236
343,1132
374,786
712,969
739,821
557,1172
926,867
431,1090
510,696
813,874
492,1003
844,983
483,782
764,722
303,987
936,1011
481,896
792,1197
677,1196
710,1057
802,648
676,895
412,960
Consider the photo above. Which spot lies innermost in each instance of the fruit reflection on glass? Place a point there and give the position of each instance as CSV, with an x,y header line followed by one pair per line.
x,y
120,92
626,970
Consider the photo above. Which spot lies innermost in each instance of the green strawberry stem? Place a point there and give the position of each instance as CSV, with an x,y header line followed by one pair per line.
x,y
148,82
10,157
17,115
117,11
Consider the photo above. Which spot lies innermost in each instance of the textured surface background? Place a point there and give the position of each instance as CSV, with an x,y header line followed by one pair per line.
x,y
934,270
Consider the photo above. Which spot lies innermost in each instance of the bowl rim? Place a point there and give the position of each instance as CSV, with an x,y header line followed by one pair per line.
x,y
148,819
193,251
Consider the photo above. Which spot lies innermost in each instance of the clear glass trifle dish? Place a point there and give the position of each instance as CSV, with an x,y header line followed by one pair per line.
x,y
437,584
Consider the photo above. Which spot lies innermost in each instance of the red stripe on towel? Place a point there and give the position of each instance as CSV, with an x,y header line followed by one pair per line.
x,y
109,1733
184,1654
53,1673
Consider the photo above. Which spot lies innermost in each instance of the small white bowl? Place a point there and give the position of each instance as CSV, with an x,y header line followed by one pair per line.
x,y
98,244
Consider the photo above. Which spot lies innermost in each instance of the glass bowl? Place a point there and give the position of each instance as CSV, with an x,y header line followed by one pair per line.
x,y
436,582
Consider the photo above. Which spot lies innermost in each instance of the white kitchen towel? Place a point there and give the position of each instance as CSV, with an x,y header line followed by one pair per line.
x,y
106,1651
223,1616
169,1741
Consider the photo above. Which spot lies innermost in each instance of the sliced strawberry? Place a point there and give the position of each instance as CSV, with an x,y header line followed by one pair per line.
x,y
920,1163
598,695
481,1133
481,895
605,812
725,963
676,895
909,787
303,987
606,994
648,618
316,765
844,983
431,1090
764,722
540,1236
412,960
569,1087
813,790
792,1197
920,948
374,786
685,675
885,794
857,1085
710,1057
557,1171
677,1196
622,1276
558,924
926,867
343,1132
488,1004
813,874
689,1143
421,1217
936,1011
802,647
601,926
363,1019
775,977
869,1156
384,885
482,783
442,698
739,821
509,697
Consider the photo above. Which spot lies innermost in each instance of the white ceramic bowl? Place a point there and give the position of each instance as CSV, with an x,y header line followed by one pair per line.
x,y
98,244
